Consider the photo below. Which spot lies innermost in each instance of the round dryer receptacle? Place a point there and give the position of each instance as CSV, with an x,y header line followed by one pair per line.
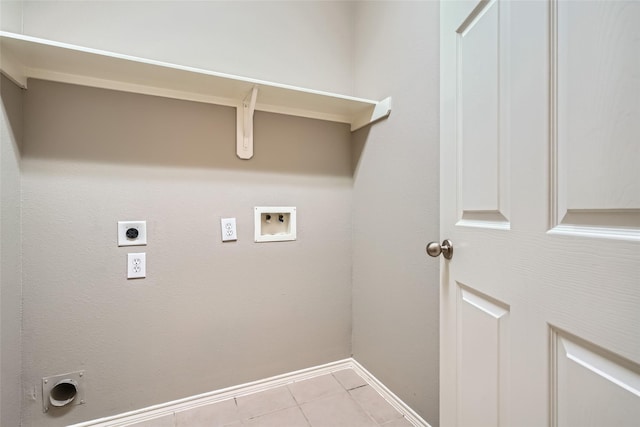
x,y
63,392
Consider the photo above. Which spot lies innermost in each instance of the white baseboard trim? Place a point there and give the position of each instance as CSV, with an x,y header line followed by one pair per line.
x,y
411,415
192,402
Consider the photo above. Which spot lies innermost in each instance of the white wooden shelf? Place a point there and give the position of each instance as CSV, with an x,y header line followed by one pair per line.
x,y
23,57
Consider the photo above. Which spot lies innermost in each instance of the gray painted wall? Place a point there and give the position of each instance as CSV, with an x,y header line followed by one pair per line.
x,y
209,314
301,43
395,201
239,311
11,125
11,15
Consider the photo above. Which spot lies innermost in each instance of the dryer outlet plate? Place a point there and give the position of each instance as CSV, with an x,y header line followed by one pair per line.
x,y
132,233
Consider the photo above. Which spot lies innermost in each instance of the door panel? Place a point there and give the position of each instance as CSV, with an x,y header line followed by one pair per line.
x,y
540,192
478,71
582,375
482,144
597,97
482,367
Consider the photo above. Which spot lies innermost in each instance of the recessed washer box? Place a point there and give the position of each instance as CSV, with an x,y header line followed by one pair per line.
x,y
275,223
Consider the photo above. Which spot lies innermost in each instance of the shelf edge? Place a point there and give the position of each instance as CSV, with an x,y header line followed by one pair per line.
x,y
20,71
379,111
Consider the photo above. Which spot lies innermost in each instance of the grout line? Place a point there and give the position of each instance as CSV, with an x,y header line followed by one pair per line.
x,y
357,387
305,416
294,396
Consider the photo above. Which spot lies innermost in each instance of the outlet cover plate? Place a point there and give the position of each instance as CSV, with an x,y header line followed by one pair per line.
x,y
139,240
228,229
137,266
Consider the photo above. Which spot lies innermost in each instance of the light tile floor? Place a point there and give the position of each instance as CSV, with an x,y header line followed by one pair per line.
x,y
341,398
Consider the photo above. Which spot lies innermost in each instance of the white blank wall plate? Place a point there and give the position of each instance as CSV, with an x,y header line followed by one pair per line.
x,y
275,223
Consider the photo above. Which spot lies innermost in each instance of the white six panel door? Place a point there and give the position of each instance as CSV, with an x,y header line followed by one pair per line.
x,y
540,194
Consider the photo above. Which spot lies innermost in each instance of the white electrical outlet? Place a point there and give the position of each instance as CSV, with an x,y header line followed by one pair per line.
x,y
228,229
136,266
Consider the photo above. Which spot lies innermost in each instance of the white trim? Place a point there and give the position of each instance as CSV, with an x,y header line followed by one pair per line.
x,y
380,111
164,409
411,415
594,231
25,57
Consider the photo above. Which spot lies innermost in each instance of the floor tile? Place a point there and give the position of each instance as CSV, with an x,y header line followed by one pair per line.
x,y
315,388
291,417
374,404
339,410
349,379
212,415
399,422
256,404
